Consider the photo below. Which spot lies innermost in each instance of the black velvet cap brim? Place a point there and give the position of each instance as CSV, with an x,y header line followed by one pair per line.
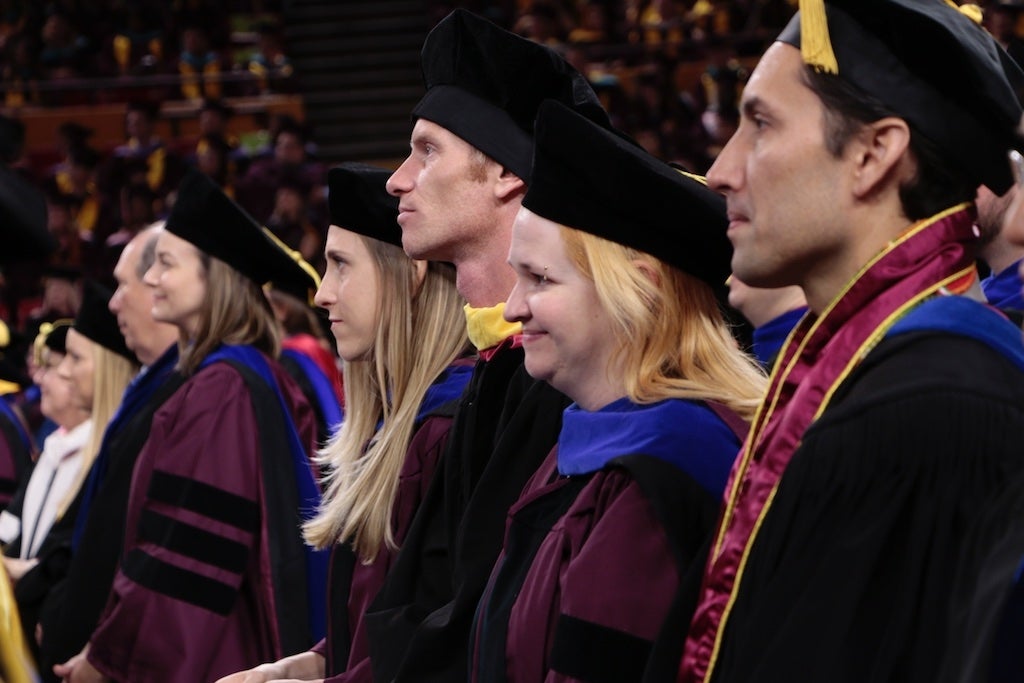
x,y
207,218
485,84
590,179
481,124
935,68
358,200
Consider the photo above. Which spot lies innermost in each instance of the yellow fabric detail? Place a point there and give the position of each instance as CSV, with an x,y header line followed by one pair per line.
x,y
8,387
122,51
815,43
5,334
63,179
972,12
155,174
87,216
487,328
15,661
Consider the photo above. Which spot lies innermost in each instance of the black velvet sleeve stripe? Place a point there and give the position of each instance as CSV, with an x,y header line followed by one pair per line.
x,y
191,541
8,486
206,500
180,584
595,653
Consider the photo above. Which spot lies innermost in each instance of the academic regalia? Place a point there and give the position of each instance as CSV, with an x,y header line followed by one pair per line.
x,y
353,585
505,424
15,453
73,606
769,338
26,523
485,86
314,370
213,577
1003,289
848,572
590,568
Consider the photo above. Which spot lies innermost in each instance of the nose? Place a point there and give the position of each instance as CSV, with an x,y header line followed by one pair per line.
x,y
400,181
150,276
516,309
115,301
323,297
726,174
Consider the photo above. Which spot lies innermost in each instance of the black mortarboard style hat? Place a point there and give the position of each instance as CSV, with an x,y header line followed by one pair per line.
x,y
359,201
11,367
56,338
23,230
931,64
206,217
485,84
588,178
95,321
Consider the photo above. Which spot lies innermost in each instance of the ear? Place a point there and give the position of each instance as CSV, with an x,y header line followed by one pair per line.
x,y
880,150
419,274
648,271
508,185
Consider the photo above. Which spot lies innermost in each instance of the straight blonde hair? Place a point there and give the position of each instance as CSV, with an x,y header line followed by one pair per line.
x,y
111,374
235,311
421,330
673,339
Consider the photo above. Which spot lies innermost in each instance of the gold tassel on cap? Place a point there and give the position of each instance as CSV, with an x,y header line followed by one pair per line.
x,y
815,44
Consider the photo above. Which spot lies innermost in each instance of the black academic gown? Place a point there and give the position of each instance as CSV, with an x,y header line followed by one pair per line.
x,y
852,575
505,425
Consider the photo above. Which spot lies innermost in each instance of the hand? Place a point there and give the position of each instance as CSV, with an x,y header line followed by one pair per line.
x,y
79,670
264,673
17,568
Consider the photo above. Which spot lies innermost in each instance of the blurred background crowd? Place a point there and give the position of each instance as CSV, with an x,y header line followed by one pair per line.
x,y
106,103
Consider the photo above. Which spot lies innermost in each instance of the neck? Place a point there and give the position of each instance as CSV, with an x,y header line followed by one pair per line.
x,y
999,254
71,421
869,231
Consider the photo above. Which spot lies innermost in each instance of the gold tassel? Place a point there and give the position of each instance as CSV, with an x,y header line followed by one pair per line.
x,y
301,262
815,44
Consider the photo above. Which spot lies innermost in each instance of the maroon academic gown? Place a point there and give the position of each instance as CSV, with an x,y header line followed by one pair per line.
x,y
353,585
195,597
15,458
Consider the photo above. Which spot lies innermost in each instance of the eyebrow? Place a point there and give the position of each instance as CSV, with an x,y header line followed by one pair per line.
x,y
752,103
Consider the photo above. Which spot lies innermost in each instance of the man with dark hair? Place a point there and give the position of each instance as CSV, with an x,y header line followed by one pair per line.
x,y
874,481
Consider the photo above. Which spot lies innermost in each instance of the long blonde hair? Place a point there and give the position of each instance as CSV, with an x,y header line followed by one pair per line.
x,y
111,374
235,311
421,330
673,339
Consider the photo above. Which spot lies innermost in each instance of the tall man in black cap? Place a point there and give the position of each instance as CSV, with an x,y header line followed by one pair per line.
x,y
891,426
459,191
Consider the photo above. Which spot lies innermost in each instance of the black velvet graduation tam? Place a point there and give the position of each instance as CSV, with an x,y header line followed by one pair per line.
x,y
56,338
484,84
359,201
206,217
591,179
95,321
932,64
